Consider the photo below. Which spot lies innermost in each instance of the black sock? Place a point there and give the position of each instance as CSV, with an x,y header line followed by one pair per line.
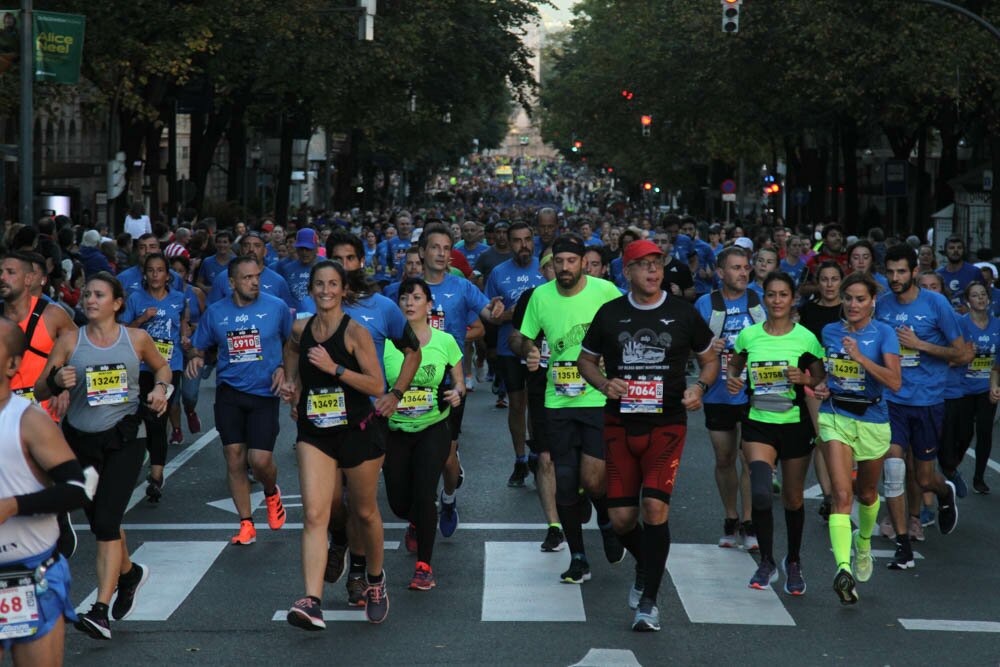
x,y
655,547
601,508
569,516
315,599
375,578
358,563
763,523
338,536
100,609
247,518
795,521
274,490
632,540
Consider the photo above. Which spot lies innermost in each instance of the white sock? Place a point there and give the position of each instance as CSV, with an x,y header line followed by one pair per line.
x,y
448,498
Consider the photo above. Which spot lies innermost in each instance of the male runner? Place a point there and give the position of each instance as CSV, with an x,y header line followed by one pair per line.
x,y
957,273
131,278
270,282
213,265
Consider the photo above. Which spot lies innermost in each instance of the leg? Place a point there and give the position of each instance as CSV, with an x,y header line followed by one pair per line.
x,y
793,476
985,412
362,484
517,404
109,568
398,473
840,458
48,650
545,479
895,488
427,461
725,446
239,485
264,469
319,479
156,429
761,458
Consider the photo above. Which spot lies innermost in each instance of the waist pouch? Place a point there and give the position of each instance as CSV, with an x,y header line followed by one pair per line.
x,y
854,405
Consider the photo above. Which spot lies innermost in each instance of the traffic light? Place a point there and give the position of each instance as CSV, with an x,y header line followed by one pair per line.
x,y
577,145
647,186
627,94
116,176
646,122
772,189
731,15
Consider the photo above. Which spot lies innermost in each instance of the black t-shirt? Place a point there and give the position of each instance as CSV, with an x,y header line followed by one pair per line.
x,y
489,260
814,317
518,318
649,348
678,274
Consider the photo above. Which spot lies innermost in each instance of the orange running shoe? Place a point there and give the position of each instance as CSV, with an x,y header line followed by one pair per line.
x,y
275,510
247,534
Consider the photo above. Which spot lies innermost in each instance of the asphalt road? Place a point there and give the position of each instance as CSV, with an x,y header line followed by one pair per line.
x,y
497,599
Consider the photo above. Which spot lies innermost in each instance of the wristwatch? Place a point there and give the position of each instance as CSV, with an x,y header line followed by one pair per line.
x,y
704,387
339,370
397,393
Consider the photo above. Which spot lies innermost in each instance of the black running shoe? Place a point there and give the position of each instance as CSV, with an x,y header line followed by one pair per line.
x,y
578,572
845,588
520,474
128,585
903,558
306,614
980,487
356,590
94,623
66,543
948,510
554,540
336,563
614,550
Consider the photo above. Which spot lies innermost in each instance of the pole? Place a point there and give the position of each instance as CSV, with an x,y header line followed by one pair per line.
x,y
173,213
740,188
27,114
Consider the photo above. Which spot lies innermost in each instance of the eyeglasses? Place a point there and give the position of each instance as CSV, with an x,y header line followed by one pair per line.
x,y
649,264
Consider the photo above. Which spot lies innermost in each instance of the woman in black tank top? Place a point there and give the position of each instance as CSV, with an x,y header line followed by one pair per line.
x,y
331,371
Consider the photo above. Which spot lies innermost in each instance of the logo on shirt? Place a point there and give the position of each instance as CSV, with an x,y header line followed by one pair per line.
x,y
867,342
920,317
645,347
261,316
241,318
666,323
175,306
448,296
366,318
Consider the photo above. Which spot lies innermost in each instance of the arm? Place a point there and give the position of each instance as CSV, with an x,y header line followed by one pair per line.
x,y
995,384
370,380
590,370
386,404
956,354
149,355
455,394
65,378
890,375
290,359
708,362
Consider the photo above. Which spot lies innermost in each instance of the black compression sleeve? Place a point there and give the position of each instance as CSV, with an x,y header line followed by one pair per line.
x,y
66,495
409,339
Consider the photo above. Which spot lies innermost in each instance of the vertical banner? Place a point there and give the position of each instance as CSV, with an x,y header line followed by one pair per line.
x,y
10,45
58,46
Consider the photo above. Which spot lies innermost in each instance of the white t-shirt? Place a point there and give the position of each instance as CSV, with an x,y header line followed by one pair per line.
x,y
136,227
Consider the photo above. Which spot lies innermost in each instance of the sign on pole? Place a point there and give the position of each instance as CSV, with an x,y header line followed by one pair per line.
x,y
58,46
728,186
894,182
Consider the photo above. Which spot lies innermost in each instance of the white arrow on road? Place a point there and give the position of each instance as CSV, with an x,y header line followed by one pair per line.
x,y
608,657
227,505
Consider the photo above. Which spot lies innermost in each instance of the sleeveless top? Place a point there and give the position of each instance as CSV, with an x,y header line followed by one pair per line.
x,y
39,344
107,383
326,404
21,537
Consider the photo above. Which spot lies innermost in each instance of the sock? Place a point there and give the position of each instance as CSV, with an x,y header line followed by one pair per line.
x,y
840,540
655,547
867,516
447,498
375,578
795,522
763,523
247,518
632,540
522,459
569,516
556,525
100,609
338,536
532,456
601,508
358,563
315,599
274,490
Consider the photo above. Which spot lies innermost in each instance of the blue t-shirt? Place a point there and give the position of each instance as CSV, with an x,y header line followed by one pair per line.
x,y
995,302
796,271
683,248
882,281
756,288
974,377
131,280
270,283
932,319
164,327
706,260
457,304
271,258
618,273
194,306
296,274
957,281
383,319
471,254
391,292
846,377
210,267
510,281
737,319
249,338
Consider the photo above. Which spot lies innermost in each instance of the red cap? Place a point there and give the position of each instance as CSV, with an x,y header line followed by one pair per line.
x,y
267,227
637,249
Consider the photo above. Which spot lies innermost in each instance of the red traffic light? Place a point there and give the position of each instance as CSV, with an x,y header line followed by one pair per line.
x,y
627,94
647,121
577,144
647,186
772,189
611,170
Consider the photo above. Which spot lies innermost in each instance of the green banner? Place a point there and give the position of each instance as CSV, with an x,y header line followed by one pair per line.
x,y
58,46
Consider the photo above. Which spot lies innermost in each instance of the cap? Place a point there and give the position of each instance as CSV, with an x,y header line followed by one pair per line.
x,y
267,227
988,265
637,249
305,238
744,243
251,235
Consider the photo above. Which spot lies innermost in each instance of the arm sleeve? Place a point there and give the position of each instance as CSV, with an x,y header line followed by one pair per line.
x,y
408,339
65,495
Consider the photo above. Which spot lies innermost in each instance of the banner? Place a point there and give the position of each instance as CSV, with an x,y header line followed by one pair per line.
x,y
58,46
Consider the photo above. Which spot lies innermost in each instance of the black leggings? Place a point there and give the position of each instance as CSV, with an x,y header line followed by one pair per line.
x,y
412,467
961,416
156,427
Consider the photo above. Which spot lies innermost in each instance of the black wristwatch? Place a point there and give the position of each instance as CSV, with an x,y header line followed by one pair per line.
x,y
339,370
704,387
397,393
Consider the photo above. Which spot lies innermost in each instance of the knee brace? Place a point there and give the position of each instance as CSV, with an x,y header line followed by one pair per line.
x,y
760,485
567,484
894,477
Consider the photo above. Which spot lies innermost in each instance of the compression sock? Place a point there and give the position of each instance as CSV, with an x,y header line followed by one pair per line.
x,y
522,459
632,540
840,540
601,510
867,516
795,522
569,516
763,523
338,536
655,547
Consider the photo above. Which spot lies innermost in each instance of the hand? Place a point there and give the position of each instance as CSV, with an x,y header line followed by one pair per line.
x,y
287,391
719,345
150,312
796,375
386,404
59,405
995,394
185,343
822,391
692,397
496,307
66,377
453,398
157,400
907,338
533,359
278,379
194,367
320,358
851,348
616,388
734,384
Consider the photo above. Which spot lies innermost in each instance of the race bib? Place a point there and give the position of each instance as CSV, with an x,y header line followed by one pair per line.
x,y
165,347
849,374
436,319
980,367
326,408
908,357
416,402
26,392
643,397
244,345
18,607
107,385
769,377
545,353
567,380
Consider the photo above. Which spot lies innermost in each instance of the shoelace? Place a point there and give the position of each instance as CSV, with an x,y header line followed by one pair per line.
x,y
375,592
304,603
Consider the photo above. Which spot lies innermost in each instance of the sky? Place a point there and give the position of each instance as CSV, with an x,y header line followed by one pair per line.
x,y
560,13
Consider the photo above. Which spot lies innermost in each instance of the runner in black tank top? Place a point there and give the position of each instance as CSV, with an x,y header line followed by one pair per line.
x,y
331,370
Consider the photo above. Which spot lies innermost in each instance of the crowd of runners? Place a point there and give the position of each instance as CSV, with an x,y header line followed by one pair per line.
x,y
598,326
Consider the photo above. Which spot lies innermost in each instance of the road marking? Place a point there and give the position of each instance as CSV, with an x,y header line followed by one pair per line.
x,y
541,527
989,462
329,615
949,626
712,585
140,491
175,568
608,657
227,504
521,583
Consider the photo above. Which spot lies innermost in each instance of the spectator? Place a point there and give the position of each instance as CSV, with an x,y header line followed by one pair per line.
x,y
137,222
91,257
